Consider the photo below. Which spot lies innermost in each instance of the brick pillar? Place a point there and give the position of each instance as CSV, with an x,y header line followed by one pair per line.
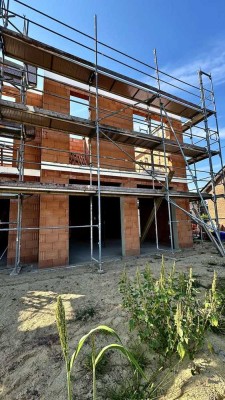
x,y
54,209
30,209
129,225
176,161
29,238
184,229
12,234
53,243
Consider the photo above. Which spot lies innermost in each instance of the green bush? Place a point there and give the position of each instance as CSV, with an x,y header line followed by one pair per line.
x,y
85,314
169,314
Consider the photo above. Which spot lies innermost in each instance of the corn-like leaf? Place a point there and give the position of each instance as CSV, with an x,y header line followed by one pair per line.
x,y
123,350
100,328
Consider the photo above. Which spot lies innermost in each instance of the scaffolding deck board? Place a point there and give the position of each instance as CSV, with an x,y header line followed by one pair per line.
x,y
49,58
81,190
38,117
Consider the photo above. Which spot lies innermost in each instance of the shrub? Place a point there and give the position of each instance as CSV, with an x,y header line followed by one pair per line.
x,y
85,314
168,313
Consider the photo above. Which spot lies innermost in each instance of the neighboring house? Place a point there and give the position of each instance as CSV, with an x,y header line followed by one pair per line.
x,y
220,190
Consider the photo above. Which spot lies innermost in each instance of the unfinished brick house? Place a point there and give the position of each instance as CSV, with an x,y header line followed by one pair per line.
x,y
95,161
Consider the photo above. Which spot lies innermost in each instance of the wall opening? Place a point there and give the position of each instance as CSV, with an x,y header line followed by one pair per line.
x,y
79,214
146,206
79,107
141,124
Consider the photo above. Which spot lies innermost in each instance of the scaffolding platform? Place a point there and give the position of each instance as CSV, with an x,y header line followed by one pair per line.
x,y
91,190
38,117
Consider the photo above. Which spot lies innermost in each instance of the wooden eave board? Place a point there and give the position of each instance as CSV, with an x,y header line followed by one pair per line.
x,y
49,58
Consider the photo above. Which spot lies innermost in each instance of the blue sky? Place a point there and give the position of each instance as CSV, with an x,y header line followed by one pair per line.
x,y
188,35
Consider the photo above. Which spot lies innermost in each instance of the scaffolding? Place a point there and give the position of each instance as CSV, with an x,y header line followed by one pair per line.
x,y
196,142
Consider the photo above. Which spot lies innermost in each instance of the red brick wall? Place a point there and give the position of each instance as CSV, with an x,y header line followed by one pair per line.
x,y
106,107
53,243
184,230
129,224
54,209
78,145
176,160
30,238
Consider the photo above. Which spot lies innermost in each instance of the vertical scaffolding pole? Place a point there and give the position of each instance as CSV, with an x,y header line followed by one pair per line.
x,y
207,131
21,166
217,240
155,209
4,6
19,203
98,150
156,226
195,179
91,200
217,132
164,154
153,184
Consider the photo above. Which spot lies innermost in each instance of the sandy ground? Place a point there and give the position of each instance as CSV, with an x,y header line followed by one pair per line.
x,y
32,366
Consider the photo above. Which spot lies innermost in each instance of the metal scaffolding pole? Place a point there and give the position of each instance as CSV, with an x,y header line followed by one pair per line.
x,y
24,85
164,155
219,244
207,131
217,132
91,199
156,225
100,270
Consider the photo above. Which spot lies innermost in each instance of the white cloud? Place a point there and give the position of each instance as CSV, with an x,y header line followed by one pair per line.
x,y
210,61
222,133
213,63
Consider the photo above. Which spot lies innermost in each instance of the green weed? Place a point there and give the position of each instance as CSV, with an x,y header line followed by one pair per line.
x,y
85,314
168,313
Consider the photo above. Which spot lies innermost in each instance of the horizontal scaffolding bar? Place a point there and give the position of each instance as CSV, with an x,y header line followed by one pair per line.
x,y
70,189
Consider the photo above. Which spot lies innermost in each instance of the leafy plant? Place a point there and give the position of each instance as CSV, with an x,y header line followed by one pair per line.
x,y
85,314
125,391
139,353
168,313
136,390
96,356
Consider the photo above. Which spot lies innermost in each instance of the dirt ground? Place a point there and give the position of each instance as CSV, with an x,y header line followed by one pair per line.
x,y
32,366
